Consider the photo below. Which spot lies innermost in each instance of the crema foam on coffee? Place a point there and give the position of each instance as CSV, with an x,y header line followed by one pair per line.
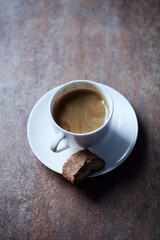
x,y
81,111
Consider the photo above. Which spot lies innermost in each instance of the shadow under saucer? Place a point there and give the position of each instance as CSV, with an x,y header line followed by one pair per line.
x,y
96,187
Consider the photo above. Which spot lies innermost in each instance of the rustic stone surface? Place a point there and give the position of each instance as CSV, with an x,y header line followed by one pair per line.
x,y
46,43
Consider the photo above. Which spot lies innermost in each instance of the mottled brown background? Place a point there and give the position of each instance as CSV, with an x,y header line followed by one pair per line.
x,y
47,43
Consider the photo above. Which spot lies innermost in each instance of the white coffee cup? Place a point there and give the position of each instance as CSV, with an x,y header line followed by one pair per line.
x,y
84,140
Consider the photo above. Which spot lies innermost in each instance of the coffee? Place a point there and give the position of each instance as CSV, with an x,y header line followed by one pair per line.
x,y
81,111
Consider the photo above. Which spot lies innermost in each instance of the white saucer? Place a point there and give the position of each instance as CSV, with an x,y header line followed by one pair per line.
x,y
114,148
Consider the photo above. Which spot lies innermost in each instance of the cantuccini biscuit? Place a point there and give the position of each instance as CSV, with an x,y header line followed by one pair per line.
x,y
80,165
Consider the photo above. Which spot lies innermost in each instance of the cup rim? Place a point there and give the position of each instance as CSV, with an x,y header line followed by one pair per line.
x,y
87,133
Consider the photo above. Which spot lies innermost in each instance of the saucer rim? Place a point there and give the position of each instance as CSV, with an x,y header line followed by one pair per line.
x,y
131,146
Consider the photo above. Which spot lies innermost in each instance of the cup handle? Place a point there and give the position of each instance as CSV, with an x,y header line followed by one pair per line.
x,y
56,140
